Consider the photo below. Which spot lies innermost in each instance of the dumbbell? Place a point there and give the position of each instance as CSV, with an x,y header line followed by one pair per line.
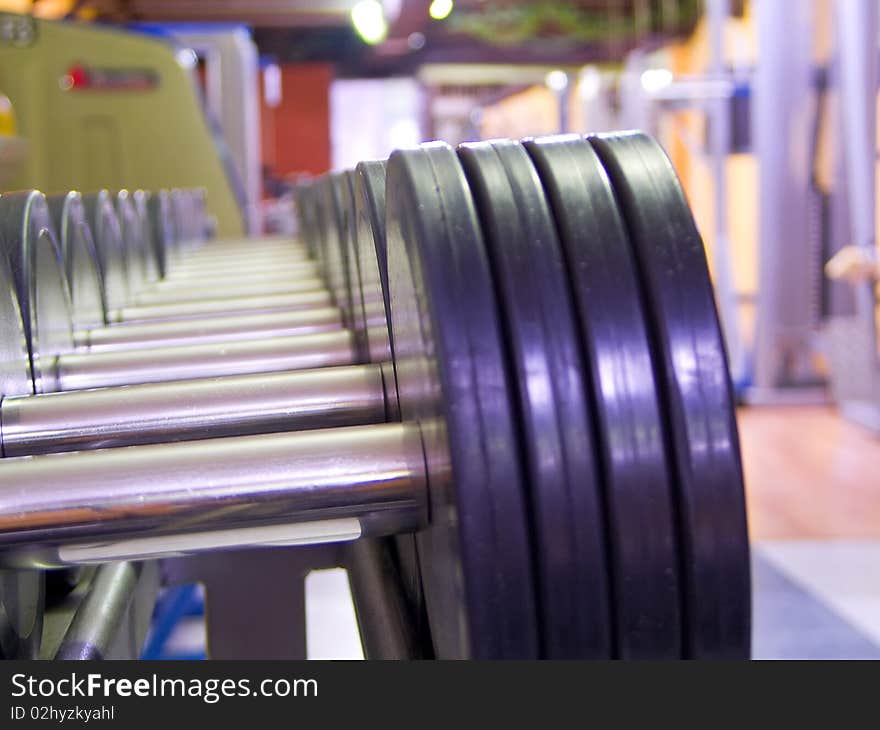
x,y
391,636
107,417
243,404
20,591
93,334
386,622
567,449
57,367
361,561
113,251
109,248
44,266
283,400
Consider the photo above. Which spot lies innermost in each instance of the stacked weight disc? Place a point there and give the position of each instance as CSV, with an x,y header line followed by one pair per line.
x,y
537,315
607,343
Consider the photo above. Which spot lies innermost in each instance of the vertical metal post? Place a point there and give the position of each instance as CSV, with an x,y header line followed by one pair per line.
x,y
856,27
783,102
719,145
563,96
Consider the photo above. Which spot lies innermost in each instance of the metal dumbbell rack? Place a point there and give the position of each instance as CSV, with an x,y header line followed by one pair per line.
x,y
540,457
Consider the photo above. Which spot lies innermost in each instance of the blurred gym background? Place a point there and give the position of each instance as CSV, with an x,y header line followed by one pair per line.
x,y
767,109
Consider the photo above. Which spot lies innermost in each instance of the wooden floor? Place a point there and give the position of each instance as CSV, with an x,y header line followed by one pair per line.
x,y
809,474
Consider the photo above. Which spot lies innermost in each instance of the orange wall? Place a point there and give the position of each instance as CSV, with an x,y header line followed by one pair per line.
x,y
531,112
296,134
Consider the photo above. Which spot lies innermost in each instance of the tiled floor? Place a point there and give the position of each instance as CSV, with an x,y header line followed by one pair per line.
x,y
799,611
809,474
813,486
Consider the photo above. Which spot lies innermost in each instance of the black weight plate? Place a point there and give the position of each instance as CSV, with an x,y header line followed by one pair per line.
x,y
565,499
15,364
323,218
356,320
307,204
179,215
371,322
190,204
29,243
162,226
21,591
80,260
334,193
107,234
149,236
202,225
162,223
350,282
305,214
696,394
475,557
132,241
638,495
315,222
188,216
372,328
326,223
316,196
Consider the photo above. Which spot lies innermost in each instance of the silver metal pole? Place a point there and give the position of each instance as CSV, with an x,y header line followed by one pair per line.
x,y
719,144
192,409
856,24
185,362
247,265
243,254
234,275
169,499
256,243
221,307
782,104
244,326
247,289
386,625
98,618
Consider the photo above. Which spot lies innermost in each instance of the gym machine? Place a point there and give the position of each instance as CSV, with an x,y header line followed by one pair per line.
x,y
520,420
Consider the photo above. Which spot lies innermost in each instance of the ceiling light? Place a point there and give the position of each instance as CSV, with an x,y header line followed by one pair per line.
x,y
557,80
655,79
368,19
590,83
440,9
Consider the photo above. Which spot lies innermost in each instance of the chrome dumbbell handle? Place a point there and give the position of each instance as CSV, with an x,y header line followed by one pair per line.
x,y
138,502
185,362
192,409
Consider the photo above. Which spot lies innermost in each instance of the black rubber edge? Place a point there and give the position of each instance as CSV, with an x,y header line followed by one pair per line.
x,y
556,435
369,236
696,394
475,557
642,543
75,239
